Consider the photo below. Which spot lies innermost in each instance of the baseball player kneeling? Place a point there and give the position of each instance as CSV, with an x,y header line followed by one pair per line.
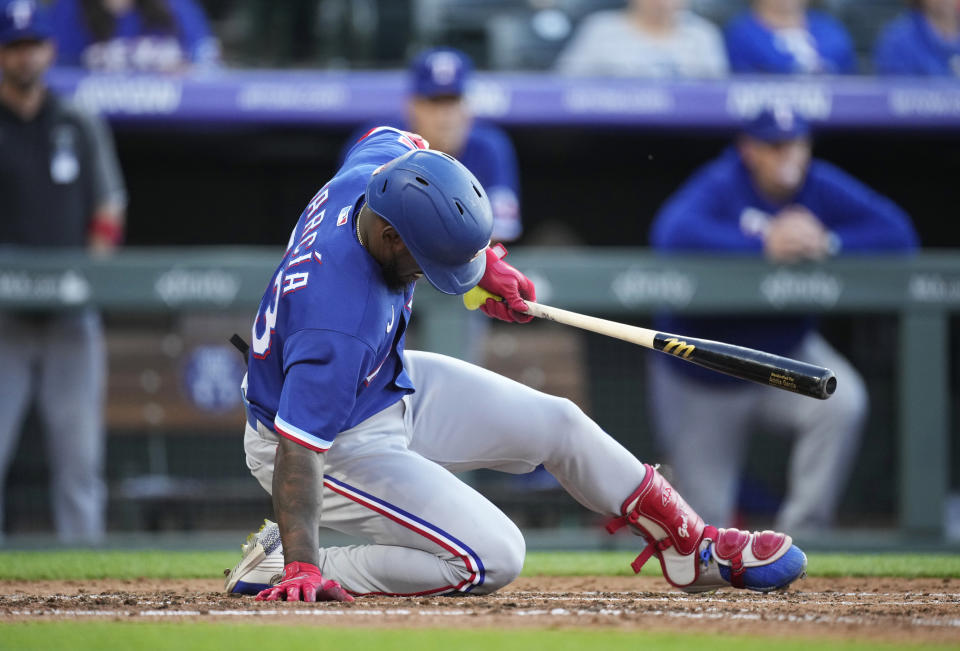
x,y
347,430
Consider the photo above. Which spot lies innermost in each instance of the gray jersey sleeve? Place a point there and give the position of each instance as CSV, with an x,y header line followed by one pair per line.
x,y
107,179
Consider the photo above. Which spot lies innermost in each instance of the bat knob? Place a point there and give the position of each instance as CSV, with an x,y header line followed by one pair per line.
x,y
477,296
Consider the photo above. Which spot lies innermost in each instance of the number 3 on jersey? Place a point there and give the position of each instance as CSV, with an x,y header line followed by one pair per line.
x,y
284,283
261,342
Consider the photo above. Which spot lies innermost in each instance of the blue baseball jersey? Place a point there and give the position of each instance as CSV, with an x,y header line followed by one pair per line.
x,y
133,45
719,211
823,47
489,155
327,342
910,46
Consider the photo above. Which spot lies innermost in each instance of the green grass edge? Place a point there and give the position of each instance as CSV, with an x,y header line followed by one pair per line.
x,y
96,564
100,636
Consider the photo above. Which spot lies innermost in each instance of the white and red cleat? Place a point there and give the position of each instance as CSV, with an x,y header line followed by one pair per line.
x,y
696,557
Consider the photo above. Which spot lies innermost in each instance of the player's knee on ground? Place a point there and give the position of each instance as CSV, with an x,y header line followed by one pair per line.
x,y
503,553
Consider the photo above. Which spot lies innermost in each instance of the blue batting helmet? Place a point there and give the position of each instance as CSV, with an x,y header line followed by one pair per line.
x,y
441,213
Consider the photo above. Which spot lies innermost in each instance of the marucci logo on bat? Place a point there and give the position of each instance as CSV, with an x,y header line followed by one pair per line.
x,y
678,347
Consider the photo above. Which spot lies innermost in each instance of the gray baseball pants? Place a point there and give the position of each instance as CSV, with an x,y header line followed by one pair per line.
x,y
58,360
390,479
704,430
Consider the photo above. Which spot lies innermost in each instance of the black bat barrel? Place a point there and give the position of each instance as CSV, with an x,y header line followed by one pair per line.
x,y
749,364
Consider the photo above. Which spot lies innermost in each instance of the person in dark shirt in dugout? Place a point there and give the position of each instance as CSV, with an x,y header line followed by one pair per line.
x,y
61,187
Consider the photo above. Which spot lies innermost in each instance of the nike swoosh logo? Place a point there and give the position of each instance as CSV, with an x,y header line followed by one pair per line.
x,y
393,317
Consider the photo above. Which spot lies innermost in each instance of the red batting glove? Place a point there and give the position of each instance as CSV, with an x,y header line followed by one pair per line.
x,y
504,280
303,582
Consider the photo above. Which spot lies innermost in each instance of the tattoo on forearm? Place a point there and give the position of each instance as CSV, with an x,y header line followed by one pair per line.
x,y
297,498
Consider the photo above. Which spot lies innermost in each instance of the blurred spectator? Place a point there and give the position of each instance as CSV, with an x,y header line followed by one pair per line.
x,y
923,41
649,38
766,196
280,34
438,110
61,188
133,35
783,36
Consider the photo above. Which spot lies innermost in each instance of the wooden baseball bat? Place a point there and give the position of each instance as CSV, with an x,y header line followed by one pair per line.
x,y
738,361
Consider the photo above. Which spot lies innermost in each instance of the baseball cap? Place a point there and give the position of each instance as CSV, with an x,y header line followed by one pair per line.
x,y
440,71
777,124
23,20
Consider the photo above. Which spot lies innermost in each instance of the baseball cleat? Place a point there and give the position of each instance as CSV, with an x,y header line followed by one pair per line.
x,y
696,557
742,568
762,575
261,565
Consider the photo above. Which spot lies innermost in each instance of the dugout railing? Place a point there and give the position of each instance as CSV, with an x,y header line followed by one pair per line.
x,y
922,291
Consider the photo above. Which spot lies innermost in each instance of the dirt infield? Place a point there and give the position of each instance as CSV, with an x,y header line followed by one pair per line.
x,y
923,610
